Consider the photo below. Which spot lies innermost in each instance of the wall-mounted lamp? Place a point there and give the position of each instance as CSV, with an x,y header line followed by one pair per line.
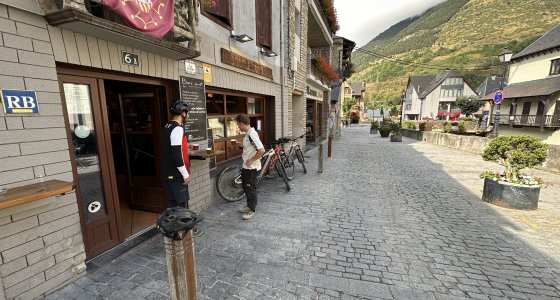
x,y
268,52
242,38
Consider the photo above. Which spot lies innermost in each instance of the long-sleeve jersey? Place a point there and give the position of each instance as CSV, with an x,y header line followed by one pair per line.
x,y
175,154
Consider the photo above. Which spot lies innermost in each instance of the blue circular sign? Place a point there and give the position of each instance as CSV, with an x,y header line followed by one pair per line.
x,y
499,97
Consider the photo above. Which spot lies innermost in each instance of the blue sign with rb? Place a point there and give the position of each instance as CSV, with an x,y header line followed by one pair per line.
x,y
19,102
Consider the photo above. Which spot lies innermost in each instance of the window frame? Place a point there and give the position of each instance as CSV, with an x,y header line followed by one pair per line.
x,y
216,19
555,66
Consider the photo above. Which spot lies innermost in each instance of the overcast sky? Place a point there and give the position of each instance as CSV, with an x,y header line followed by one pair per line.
x,y
362,20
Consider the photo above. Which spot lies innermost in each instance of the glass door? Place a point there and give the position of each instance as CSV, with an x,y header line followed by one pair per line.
x,y
90,162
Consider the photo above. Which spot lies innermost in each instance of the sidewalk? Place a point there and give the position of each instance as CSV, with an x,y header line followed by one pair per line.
x,y
384,221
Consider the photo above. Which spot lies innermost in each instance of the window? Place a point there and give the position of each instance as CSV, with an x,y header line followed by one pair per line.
x,y
263,9
555,67
218,11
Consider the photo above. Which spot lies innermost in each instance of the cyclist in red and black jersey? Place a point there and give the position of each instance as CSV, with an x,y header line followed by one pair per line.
x,y
175,158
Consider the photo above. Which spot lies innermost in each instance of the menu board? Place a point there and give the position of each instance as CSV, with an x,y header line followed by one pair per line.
x,y
192,92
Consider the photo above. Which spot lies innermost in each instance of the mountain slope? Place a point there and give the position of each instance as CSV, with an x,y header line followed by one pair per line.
x,y
459,34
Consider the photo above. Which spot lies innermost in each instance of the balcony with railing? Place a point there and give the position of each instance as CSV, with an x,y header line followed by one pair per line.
x,y
319,33
314,74
549,121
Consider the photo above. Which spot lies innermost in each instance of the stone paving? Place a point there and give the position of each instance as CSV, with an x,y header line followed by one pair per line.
x,y
384,221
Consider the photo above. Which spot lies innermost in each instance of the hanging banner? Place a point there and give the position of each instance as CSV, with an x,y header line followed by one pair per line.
x,y
152,17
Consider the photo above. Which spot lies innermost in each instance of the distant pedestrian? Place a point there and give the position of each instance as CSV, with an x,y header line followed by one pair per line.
x,y
253,150
175,159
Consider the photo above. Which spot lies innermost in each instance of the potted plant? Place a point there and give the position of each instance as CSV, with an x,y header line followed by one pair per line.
x,y
374,127
396,133
455,127
511,188
385,130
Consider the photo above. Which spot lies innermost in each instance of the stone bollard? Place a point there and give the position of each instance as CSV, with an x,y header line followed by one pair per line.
x,y
175,224
320,170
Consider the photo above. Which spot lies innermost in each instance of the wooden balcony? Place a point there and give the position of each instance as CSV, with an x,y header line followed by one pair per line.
x,y
550,121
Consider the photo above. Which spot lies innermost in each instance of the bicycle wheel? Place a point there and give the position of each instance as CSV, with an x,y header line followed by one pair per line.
x,y
228,184
301,159
280,169
289,167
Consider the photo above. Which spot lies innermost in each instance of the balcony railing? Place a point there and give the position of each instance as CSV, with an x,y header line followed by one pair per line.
x,y
552,121
312,69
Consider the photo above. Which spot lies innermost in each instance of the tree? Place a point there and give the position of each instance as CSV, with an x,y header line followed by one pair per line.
x,y
469,105
347,105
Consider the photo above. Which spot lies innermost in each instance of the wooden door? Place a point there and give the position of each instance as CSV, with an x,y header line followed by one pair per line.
x,y
540,111
91,162
525,113
141,124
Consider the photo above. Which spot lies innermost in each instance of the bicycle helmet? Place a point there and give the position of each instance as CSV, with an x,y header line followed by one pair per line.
x,y
176,220
178,107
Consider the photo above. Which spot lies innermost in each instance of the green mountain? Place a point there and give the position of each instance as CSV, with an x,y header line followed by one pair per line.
x,y
464,35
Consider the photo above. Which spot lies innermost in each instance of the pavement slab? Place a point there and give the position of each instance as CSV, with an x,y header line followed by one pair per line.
x,y
384,221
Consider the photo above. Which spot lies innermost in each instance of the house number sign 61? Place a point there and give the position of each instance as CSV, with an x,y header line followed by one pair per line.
x,y
130,59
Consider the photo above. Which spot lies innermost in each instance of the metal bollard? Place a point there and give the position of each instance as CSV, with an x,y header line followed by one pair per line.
x,y
329,146
320,170
176,224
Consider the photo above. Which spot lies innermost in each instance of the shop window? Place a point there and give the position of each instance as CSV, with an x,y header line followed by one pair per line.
x,y
215,104
217,126
218,11
254,106
263,10
232,128
236,105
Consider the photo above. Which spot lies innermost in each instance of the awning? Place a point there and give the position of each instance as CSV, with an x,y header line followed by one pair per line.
x,y
533,88
451,113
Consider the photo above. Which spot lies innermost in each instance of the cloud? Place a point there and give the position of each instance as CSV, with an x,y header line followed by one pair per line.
x,y
362,20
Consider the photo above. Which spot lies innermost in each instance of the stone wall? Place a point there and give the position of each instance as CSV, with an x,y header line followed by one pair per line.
x,y
476,144
41,244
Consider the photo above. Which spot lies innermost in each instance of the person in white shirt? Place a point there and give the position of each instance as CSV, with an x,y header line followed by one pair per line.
x,y
253,150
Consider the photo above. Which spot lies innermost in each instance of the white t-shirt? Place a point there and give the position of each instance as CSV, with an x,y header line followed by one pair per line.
x,y
249,151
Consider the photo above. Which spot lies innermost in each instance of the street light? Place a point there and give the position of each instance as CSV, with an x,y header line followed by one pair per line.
x,y
505,57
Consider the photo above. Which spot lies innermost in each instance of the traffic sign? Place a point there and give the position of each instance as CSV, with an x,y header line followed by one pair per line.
x,y
499,97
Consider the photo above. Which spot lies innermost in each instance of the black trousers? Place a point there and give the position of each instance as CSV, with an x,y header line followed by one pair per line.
x,y
177,193
249,183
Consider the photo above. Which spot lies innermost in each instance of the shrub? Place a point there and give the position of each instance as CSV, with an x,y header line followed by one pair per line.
x,y
395,128
426,125
409,125
374,125
384,130
462,127
515,153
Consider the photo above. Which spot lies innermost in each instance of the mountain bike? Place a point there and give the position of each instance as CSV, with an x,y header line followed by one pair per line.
x,y
294,150
228,182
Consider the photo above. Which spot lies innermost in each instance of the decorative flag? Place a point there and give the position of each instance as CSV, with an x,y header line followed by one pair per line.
x,y
153,17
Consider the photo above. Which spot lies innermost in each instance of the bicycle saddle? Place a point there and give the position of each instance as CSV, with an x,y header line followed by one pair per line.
x,y
175,220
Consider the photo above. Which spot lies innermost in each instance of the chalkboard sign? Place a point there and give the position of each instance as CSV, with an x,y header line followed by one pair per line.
x,y
212,162
192,92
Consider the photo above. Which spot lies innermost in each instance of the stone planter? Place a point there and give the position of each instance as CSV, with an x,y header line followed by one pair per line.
x,y
384,133
373,130
511,195
396,138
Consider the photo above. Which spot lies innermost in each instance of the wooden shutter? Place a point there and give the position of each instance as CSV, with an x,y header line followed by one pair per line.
x,y
219,9
263,9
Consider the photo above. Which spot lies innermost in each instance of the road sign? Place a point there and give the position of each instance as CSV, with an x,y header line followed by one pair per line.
x,y
499,97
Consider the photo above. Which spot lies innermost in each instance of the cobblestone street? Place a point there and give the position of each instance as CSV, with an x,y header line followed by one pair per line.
x,y
384,221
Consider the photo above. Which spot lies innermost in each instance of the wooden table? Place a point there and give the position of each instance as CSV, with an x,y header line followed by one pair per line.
x,y
34,192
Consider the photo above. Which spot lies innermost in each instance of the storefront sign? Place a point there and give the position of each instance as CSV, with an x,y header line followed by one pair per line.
x,y
192,92
130,59
246,64
19,102
153,17
207,73
212,162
